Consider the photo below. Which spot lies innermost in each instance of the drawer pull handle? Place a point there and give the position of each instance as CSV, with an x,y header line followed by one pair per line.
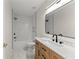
x,y
44,49
43,56
36,43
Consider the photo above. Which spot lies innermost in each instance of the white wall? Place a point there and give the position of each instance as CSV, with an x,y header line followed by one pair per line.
x,y
7,37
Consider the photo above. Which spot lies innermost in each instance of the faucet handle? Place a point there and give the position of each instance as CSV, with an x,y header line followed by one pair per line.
x,y
54,35
60,35
53,40
61,42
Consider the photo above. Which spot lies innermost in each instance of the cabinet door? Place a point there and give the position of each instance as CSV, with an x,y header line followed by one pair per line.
x,y
37,50
43,56
55,56
37,53
44,49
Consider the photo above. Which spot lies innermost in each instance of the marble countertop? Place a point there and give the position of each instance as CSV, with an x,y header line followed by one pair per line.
x,y
67,52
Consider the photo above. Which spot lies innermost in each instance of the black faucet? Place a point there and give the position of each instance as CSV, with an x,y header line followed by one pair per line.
x,y
56,37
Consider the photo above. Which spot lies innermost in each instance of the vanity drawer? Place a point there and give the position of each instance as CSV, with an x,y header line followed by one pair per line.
x,y
44,55
37,50
44,49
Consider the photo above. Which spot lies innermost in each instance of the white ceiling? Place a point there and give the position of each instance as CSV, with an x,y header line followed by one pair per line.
x,y
26,7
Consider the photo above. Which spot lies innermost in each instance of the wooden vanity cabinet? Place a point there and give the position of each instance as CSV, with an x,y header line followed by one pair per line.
x,y
43,52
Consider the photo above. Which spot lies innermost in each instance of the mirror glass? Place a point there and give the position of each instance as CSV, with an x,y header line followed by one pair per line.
x,y
61,21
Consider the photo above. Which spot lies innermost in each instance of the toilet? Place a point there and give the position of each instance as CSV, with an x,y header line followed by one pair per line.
x,y
29,45
30,50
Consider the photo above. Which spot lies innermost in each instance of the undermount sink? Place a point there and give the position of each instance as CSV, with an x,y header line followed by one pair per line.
x,y
50,42
46,39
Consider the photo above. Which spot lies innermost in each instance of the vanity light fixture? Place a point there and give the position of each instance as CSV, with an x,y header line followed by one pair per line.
x,y
56,4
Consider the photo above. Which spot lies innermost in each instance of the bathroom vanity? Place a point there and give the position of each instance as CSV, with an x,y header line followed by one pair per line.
x,y
61,24
46,49
43,52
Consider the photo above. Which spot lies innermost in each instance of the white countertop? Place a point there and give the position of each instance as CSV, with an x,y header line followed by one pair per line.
x,y
68,52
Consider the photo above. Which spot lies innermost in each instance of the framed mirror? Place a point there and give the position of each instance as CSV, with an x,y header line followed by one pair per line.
x,y
61,21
